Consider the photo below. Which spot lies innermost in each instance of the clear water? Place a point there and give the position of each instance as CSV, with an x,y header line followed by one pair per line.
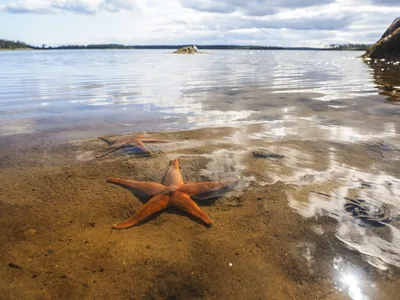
x,y
329,113
128,90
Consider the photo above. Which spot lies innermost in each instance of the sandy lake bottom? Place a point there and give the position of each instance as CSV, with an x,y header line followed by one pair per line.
x,y
273,237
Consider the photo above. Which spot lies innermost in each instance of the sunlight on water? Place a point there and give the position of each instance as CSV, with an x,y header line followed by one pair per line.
x,y
102,86
349,280
313,128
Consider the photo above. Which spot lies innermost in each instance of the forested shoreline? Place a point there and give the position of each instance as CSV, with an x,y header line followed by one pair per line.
x,y
17,45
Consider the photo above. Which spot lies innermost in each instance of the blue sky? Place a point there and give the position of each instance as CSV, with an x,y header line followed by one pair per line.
x,y
259,22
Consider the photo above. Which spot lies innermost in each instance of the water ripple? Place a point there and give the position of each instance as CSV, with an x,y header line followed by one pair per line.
x,y
43,84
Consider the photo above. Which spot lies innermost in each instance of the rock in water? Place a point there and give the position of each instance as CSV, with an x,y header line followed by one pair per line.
x,y
187,50
388,46
263,153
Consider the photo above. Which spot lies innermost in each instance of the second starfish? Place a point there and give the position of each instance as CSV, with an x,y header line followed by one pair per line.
x,y
130,141
174,192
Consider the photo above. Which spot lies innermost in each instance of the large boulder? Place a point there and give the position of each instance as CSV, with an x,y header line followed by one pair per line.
x,y
187,50
388,46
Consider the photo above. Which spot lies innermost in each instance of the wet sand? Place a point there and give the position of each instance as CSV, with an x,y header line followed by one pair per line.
x,y
56,214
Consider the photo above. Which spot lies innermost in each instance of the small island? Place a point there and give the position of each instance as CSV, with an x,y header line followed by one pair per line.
x,y
187,50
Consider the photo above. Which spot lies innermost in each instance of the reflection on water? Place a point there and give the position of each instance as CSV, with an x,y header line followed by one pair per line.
x,y
387,77
300,128
114,87
379,250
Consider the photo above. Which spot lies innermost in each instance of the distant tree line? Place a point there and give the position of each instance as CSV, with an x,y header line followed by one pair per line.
x,y
117,46
11,45
362,47
211,47
93,46
5,44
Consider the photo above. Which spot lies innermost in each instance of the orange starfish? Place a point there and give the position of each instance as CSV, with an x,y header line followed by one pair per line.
x,y
129,141
172,193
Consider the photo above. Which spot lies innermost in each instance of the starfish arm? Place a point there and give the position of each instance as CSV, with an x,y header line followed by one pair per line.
x,y
108,152
154,205
143,147
116,146
154,141
148,188
193,189
184,202
173,175
106,140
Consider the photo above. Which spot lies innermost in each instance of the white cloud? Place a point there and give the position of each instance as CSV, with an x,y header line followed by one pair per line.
x,y
89,7
260,22
253,8
386,2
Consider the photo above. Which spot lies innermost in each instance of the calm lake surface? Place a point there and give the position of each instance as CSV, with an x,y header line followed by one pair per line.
x,y
331,116
112,91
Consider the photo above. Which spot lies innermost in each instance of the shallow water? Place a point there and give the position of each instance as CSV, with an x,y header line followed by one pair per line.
x,y
333,118
113,91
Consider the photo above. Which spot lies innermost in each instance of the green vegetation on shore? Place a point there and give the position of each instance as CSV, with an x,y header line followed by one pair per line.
x,y
11,45
92,46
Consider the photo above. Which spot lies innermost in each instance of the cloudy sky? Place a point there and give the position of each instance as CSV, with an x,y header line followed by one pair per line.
x,y
260,22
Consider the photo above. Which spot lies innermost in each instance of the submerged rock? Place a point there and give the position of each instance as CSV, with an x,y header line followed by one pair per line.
x,y
187,50
388,46
264,153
